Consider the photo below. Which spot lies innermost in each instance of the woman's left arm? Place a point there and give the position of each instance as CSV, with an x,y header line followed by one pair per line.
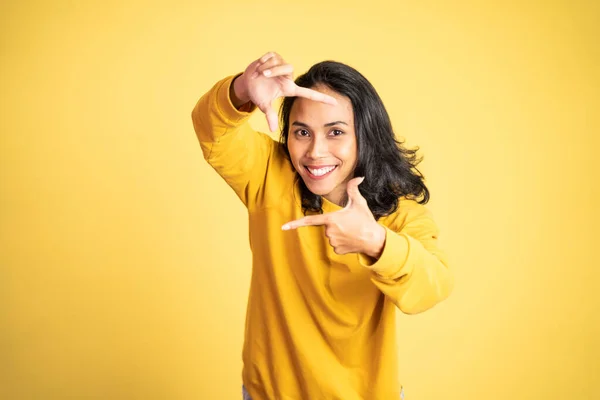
x,y
408,267
411,270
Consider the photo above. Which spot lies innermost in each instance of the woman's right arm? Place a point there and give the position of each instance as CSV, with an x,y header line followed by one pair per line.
x,y
229,144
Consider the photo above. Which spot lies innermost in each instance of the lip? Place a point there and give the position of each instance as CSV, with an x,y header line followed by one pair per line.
x,y
315,166
318,178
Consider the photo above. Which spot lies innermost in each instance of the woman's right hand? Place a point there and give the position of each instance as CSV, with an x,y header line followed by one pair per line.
x,y
267,79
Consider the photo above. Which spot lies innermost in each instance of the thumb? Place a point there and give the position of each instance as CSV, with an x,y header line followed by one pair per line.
x,y
272,118
354,195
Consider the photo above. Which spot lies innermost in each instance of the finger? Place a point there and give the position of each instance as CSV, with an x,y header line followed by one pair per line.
x,y
251,70
314,95
312,220
279,70
271,63
354,195
267,56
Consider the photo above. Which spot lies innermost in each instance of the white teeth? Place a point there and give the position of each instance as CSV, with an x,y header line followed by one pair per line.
x,y
320,171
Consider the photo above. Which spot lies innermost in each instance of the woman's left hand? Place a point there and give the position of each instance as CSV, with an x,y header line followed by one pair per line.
x,y
350,230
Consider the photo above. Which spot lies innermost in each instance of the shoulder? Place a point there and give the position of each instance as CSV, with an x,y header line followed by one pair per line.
x,y
410,215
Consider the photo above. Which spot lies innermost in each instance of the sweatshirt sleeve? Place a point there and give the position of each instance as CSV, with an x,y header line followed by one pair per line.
x,y
239,154
412,270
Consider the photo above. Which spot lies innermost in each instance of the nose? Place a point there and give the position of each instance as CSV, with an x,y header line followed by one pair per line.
x,y
317,148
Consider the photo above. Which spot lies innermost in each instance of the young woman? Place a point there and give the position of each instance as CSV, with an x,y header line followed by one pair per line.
x,y
339,234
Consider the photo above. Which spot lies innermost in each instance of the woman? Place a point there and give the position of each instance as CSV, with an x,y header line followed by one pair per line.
x,y
331,260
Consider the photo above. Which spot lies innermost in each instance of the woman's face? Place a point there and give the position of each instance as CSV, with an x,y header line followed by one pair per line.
x,y
322,144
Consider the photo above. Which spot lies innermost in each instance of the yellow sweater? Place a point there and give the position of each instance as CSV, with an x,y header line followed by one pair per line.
x,y
319,325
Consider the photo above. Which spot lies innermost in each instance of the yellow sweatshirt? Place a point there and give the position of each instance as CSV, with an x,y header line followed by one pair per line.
x,y
319,325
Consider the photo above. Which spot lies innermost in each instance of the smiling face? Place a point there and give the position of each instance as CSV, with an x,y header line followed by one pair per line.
x,y
322,144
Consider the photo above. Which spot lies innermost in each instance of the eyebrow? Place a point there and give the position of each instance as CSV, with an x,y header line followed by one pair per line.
x,y
302,124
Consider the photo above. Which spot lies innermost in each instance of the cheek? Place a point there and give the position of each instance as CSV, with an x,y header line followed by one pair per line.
x,y
347,152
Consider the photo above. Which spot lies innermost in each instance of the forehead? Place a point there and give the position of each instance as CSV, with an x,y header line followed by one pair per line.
x,y
314,112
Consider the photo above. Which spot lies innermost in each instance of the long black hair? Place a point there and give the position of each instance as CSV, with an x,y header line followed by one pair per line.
x,y
390,169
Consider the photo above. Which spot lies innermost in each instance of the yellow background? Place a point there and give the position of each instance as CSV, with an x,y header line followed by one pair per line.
x,y
124,260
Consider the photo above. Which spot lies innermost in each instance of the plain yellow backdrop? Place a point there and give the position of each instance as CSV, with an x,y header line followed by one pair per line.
x,y
124,259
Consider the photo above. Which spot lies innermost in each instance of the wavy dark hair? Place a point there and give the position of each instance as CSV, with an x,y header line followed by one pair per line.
x,y
390,169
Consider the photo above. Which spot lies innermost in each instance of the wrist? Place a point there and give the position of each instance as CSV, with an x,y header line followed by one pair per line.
x,y
376,243
237,93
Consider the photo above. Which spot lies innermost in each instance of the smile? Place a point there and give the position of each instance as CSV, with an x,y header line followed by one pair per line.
x,y
320,173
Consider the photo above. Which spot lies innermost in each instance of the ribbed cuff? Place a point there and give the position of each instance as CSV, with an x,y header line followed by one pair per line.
x,y
393,257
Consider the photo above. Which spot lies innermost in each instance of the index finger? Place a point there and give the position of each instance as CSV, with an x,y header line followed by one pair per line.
x,y
314,95
311,220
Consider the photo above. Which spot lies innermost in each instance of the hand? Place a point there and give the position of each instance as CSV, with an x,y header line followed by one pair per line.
x,y
269,78
350,230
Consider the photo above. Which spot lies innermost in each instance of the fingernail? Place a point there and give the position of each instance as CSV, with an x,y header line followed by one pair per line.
x,y
285,227
267,72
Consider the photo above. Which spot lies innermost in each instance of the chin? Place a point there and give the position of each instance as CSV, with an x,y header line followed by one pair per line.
x,y
319,190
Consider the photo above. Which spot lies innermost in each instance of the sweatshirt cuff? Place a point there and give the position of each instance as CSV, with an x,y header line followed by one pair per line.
x,y
226,107
393,257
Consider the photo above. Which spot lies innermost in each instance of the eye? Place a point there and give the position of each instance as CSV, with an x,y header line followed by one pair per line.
x,y
337,132
302,133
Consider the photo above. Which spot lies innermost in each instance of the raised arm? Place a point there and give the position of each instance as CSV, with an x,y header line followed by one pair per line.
x,y
237,152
